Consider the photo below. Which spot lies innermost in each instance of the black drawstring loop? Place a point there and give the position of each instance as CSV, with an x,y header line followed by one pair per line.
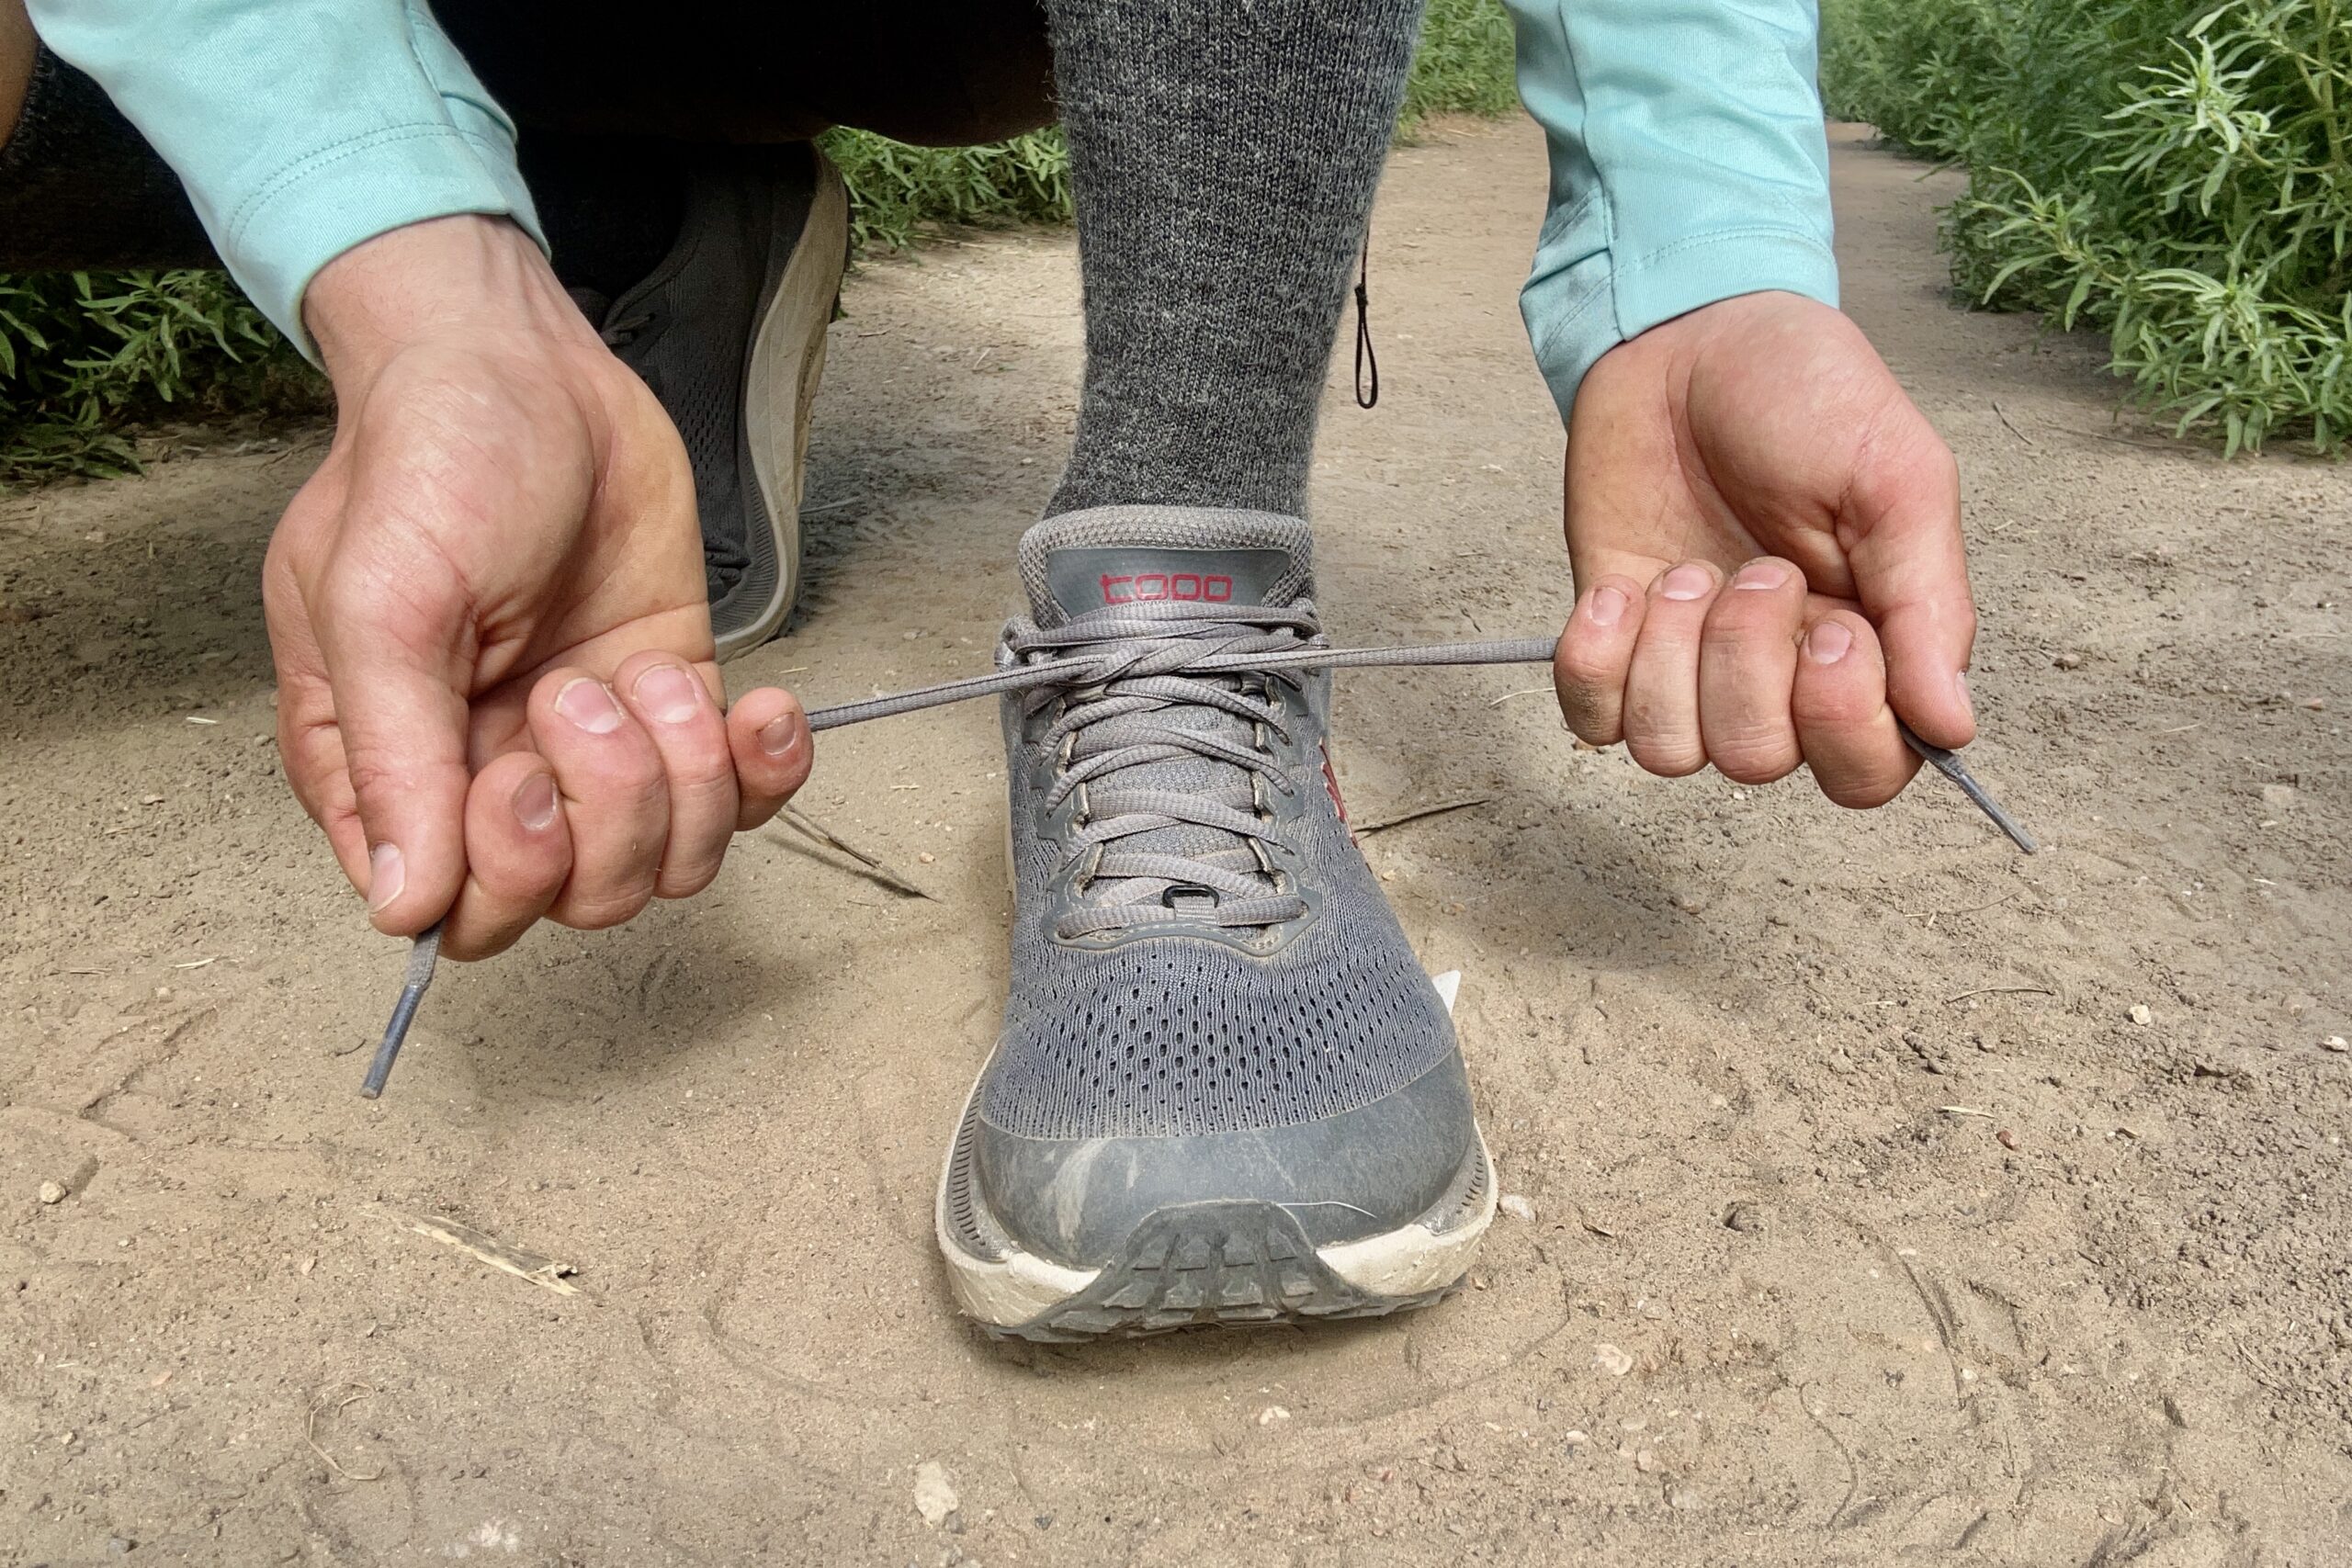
x,y
1365,359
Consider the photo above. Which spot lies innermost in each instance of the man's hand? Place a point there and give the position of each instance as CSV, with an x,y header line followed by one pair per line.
x,y
1766,540
496,687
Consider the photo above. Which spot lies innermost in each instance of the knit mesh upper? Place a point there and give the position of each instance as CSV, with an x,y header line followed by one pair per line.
x,y
1180,1033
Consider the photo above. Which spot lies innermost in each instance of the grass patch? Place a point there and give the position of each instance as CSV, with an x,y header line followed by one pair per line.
x,y
2176,173
84,357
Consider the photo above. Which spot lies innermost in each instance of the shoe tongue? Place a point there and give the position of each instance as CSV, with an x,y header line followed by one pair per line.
x,y
1122,555
1118,555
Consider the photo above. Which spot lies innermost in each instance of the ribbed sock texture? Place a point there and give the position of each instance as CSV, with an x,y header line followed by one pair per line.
x,y
1224,158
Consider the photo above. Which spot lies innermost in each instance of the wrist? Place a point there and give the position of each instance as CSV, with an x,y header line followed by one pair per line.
x,y
481,278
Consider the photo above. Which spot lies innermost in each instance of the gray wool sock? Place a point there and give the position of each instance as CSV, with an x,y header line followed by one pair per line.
x,y
1224,158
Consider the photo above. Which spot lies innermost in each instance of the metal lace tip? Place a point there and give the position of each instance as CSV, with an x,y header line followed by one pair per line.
x,y
422,958
1949,764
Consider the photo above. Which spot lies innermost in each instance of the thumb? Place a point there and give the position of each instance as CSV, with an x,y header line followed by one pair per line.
x,y
399,665
1901,518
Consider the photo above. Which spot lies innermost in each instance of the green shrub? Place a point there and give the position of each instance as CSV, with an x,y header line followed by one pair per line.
x,y
1464,64
1463,67
895,188
2174,174
81,355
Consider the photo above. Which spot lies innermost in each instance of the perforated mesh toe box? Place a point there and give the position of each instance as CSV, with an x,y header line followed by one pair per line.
x,y
1176,1036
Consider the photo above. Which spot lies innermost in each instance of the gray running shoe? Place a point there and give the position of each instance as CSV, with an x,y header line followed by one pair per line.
x,y
729,333
1225,1091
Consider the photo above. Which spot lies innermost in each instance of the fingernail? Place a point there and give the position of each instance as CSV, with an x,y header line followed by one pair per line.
x,y
1606,608
535,802
669,694
586,704
1687,581
1761,574
779,736
386,875
1828,643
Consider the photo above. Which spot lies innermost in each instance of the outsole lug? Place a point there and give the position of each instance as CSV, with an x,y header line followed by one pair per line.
x,y
1241,1265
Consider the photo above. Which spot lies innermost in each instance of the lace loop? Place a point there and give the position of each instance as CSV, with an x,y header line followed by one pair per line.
x,y
1126,679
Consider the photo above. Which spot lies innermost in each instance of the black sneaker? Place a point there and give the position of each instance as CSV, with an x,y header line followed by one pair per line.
x,y
729,333
1225,1092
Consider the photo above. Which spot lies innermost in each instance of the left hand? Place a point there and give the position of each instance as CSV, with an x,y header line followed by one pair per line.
x,y
1765,534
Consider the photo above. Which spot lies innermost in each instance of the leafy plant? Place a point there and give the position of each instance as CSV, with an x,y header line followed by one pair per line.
x,y
83,353
2175,172
1464,65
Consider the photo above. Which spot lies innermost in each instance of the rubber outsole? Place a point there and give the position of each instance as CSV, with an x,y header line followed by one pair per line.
x,y
1230,1264
1235,1263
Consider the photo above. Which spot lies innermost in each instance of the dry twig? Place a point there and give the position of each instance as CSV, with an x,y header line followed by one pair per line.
x,y
1385,823
310,1428
874,870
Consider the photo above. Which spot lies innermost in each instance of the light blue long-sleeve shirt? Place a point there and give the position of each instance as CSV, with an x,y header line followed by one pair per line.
x,y
1688,163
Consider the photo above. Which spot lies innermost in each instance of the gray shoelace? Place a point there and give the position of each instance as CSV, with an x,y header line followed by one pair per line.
x,y
1118,676
1159,655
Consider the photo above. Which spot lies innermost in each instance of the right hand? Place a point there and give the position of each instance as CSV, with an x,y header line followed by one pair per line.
x,y
497,689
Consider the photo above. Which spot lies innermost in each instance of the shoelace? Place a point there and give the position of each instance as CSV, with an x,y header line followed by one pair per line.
x,y
1120,665
1145,643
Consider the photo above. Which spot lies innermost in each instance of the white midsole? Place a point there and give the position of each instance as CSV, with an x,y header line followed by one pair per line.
x,y
788,355
1411,1260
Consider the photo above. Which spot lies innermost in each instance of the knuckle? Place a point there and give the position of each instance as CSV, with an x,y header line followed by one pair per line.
x,y
1755,762
1835,706
1863,792
373,774
1580,664
601,911
1668,757
470,944
705,768
688,877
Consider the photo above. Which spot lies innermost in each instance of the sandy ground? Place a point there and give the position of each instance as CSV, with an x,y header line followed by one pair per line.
x,y
1919,1241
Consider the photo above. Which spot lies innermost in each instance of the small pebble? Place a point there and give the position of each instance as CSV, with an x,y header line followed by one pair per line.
x,y
2068,661
52,1192
2008,1140
1576,1439
2277,798
1645,1460
1607,1357
1683,1496
2335,1043
1271,1414
1518,1207
935,1493
1746,1218
2139,1013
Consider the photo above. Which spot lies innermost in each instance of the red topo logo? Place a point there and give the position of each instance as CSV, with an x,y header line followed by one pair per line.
x,y
1153,586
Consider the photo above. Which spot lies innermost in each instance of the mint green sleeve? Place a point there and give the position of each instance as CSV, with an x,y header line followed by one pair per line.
x,y
1689,165
300,128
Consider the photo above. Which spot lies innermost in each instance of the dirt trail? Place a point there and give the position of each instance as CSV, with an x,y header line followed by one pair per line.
x,y
1839,1128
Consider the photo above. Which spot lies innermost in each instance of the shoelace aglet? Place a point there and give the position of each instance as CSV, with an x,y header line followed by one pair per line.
x,y
1949,764
422,958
